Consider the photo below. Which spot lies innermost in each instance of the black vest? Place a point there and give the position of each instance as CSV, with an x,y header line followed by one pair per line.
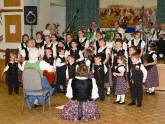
x,y
102,54
62,69
72,70
27,54
75,53
138,46
82,89
99,73
22,46
81,45
116,54
45,46
13,69
49,60
39,45
150,60
136,72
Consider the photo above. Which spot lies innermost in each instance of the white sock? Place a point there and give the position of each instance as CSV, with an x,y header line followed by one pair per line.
x,y
122,98
153,89
108,90
118,98
150,90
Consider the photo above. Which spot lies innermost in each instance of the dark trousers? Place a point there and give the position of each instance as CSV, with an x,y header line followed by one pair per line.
x,y
137,92
114,80
61,81
13,84
100,86
130,83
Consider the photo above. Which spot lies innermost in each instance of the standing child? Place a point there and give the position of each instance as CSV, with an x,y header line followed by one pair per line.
x,y
61,71
99,71
88,55
104,52
152,80
71,67
121,83
138,76
79,58
140,44
117,51
132,50
12,69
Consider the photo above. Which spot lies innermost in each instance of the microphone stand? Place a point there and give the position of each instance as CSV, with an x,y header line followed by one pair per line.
x,y
73,17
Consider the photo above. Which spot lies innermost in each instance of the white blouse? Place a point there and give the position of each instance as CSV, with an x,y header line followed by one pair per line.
x,y
95,94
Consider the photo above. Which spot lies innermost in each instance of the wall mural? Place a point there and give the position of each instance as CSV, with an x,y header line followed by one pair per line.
x,y
127,15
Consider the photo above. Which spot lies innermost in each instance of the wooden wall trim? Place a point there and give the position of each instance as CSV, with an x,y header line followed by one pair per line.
x,y
11,10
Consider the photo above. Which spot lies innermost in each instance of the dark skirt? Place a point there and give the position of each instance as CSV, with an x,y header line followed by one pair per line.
x,y
121,86
152,78
71,111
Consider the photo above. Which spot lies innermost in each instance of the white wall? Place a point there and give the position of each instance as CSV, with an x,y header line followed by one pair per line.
x,y
43,17
58,15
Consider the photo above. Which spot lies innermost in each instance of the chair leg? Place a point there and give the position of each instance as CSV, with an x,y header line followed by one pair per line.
x,y
23,104
49,102
43,106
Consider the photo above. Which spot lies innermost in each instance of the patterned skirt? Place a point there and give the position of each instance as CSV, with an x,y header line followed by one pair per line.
x,y
152,78
121,86
80,111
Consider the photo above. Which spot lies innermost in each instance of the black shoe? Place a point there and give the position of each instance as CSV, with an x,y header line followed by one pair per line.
x,y
34,106
116,102
37,106
147,92
122,103
132,103
139,105
153,93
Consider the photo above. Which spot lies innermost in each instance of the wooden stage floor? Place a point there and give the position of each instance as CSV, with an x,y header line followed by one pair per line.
x,y
152,111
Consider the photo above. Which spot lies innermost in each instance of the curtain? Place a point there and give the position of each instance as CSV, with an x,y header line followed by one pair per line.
x,y
160,15
88,11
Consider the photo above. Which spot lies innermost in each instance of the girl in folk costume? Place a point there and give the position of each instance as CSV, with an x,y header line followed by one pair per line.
x,y
82,93
82,41
71,67
68,41
140,44
104,52
22,46
49,59
152,80
47,44
61,71
121,83
117,51
25,52
55,43
98,36
39,40
79,58
59,45
88,55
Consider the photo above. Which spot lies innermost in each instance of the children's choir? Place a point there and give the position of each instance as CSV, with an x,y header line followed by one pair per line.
x,y
113,65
